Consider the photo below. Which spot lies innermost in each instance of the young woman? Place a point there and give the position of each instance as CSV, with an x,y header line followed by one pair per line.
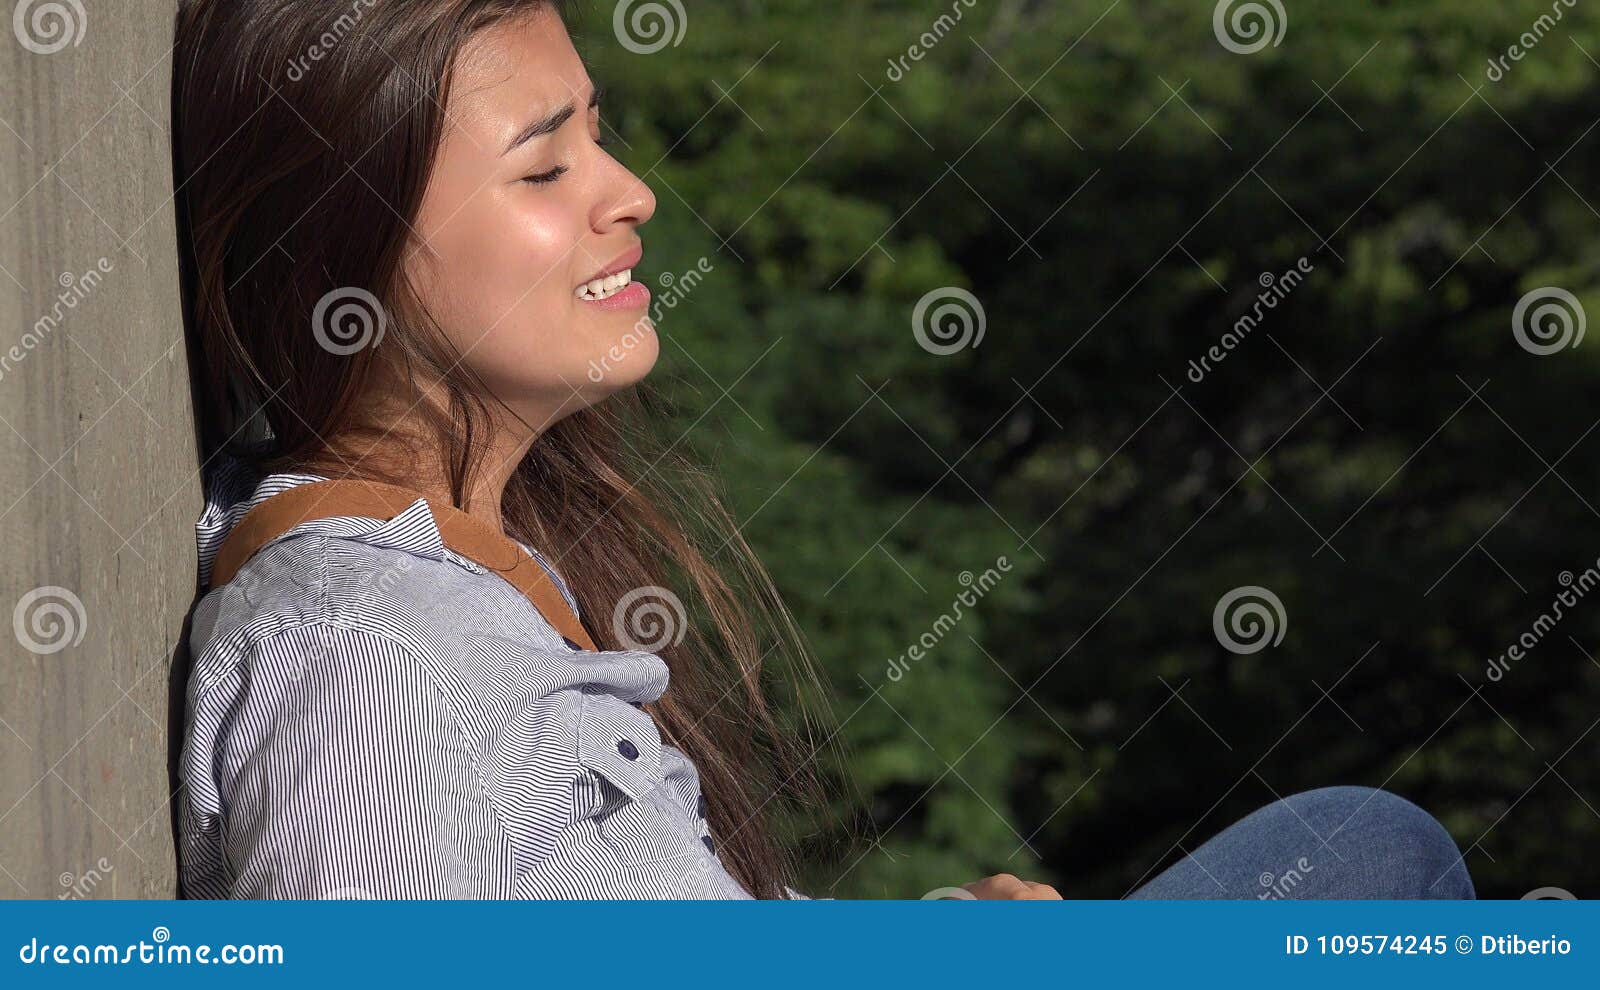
x,y
407,263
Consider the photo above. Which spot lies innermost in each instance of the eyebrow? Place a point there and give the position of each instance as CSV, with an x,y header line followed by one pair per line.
x,y
551,123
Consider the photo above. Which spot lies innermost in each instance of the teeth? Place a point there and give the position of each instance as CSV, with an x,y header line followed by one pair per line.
x,y
605,288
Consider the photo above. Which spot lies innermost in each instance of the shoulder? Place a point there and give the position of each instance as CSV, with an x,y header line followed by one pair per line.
x,y
393,578
348,605
302,588
319,606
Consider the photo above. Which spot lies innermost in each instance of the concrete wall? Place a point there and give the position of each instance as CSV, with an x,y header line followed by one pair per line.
x,y
98,473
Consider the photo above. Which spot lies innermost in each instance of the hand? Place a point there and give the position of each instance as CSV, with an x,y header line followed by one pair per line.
x,y
1005,887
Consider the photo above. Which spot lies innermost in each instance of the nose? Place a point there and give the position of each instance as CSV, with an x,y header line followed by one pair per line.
x,y
626,199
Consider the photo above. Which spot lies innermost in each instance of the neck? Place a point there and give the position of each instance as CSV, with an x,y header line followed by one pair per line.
x,y
408,452
486,490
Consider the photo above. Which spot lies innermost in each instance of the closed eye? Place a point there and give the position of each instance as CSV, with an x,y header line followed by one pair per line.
x,y
553,174
541,178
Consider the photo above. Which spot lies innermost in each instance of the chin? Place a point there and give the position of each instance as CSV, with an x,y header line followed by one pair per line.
x,y
626,360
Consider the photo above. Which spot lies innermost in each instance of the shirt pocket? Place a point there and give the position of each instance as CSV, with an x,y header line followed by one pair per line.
x,y
637,816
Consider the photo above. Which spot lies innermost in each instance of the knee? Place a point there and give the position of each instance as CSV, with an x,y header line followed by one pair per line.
x,y
1402,848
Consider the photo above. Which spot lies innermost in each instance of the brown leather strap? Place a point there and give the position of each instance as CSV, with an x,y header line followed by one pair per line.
x,y
462,533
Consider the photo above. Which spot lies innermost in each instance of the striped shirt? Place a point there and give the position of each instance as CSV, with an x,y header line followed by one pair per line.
x,y
370,714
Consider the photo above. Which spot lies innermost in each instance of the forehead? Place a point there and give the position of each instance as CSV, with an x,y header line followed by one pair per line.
x,y
513,71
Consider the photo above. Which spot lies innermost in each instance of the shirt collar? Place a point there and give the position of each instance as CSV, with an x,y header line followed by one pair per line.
x,y
233,488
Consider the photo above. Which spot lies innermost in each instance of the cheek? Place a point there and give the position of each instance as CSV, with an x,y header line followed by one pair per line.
x,y
512,254
503,268
534,241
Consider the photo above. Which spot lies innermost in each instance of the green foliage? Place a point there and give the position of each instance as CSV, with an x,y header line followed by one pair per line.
x,y
1114,231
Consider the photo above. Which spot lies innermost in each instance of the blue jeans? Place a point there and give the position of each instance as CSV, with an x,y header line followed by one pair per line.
x,y
1335,843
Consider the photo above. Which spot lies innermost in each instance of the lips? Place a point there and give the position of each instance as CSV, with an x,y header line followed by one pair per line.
x,y
622,262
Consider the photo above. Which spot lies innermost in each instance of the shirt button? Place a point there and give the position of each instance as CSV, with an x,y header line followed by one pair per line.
x,y
627,749
700,805
570,644
711,847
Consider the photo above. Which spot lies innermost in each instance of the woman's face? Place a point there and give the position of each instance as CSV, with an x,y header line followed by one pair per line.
x,y
517,219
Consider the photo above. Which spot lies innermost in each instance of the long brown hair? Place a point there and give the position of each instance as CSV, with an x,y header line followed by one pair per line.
x,y
305,132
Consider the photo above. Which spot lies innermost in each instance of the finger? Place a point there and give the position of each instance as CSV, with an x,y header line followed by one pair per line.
x,y
1001,886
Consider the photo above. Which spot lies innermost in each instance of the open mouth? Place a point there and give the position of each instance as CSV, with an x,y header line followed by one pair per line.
x,y
614,279
605,288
